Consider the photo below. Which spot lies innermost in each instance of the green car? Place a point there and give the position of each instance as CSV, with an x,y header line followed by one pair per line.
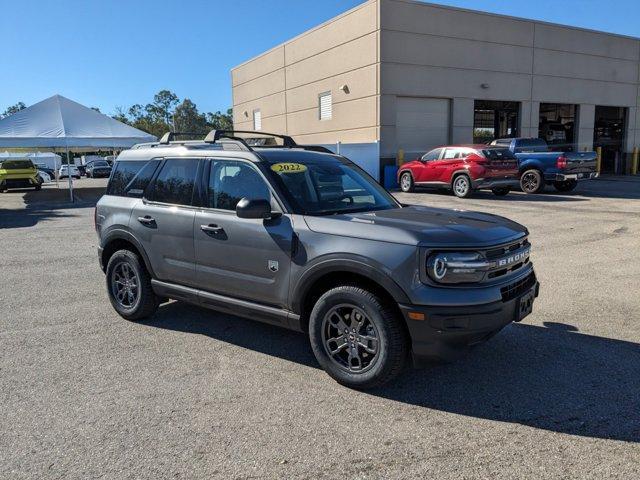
x,y
18,174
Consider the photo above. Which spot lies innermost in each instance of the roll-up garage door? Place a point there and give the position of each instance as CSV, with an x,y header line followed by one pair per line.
x,y
421,124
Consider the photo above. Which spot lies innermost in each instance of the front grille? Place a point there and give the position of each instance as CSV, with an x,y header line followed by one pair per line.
x,y
506,251
516,289
499,252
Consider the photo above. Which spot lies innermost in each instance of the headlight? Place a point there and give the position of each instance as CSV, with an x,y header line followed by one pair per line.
x,y
457,267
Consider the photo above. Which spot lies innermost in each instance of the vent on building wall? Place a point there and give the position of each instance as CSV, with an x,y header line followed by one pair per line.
x,y
257,120
326,106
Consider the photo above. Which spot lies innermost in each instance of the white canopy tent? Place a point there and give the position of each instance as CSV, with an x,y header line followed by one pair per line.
x,y
62,125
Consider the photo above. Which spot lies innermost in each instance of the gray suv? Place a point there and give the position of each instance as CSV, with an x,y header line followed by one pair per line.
x,y
304,239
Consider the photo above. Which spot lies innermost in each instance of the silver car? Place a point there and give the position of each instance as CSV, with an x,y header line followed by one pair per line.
x,y
304,239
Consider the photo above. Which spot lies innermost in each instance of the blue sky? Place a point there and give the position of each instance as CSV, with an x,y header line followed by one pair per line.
x,y
110,53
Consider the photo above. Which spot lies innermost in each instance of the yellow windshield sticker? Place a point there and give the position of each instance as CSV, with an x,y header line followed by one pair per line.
x,y
288,168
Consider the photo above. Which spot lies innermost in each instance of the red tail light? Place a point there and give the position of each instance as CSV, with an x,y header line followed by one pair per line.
x,y
561,163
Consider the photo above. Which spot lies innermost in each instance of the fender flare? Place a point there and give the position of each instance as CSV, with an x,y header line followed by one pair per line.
x,y
340,263
458,172
530,164
118,233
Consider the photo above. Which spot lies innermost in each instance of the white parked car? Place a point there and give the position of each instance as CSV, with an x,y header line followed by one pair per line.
x,y
44,177
64,172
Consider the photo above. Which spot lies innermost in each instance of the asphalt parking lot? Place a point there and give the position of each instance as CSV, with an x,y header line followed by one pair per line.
x,y
195,394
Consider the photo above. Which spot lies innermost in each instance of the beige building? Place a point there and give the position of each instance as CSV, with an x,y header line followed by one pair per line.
x,y
393,75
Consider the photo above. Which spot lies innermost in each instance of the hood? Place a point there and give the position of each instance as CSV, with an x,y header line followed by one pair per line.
x,y
424,226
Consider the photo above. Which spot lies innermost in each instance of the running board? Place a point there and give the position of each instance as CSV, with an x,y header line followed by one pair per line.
x,y
233,306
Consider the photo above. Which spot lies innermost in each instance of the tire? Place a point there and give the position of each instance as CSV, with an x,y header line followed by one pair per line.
x,y
384,355
145,301
501,191
531,181
38,187
461,186
406,182
566,186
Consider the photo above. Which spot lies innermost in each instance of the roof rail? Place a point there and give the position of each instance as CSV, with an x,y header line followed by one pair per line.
x,y
214,135
171,136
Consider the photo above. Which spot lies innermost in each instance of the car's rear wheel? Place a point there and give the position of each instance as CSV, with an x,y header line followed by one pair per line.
x,y
461,186
358,339
531,181
129,286
566,186
501,191
406,182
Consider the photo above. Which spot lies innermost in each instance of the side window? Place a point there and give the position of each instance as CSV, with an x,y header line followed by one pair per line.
x,y
432,155
231,181
451,153
175,182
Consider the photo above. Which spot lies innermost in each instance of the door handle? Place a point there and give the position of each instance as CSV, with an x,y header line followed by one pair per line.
x,y
146,220
212,228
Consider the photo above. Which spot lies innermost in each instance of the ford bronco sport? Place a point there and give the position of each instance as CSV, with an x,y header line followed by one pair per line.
x,y
301,238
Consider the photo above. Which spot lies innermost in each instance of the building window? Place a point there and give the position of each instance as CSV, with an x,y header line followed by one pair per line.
x,y
257,120
325,105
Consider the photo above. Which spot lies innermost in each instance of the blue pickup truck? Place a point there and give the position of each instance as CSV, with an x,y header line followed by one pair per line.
x,y
539,167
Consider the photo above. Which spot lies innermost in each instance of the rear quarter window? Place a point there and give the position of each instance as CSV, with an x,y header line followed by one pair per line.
x,y
131,177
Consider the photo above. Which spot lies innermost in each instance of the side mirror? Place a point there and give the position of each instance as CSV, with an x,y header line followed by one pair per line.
x,y
259,208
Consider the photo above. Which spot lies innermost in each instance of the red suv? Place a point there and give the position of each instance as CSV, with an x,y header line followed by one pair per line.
x,y
463,169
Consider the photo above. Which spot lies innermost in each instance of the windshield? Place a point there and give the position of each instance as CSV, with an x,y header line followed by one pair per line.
x,y
326,185
16,164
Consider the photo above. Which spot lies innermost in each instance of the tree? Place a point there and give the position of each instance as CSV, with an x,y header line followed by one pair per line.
x,y
163,104
14,109
221,121
121,116
186,118
167,113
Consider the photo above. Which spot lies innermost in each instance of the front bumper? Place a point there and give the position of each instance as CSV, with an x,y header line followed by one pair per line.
x,y
562,177
496,182
447,333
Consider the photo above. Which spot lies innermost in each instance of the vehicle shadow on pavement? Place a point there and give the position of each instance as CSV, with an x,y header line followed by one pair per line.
x,y
552,377
256,336
514,196
44,205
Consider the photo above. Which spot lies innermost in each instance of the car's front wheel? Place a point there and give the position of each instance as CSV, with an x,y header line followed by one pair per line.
x,y
406,182
357,338
566,186
129,286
